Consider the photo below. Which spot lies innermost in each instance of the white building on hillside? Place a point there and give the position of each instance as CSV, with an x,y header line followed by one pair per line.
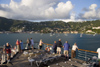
x,y
96,27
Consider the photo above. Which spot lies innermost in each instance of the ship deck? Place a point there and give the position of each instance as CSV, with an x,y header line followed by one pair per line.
x,y
21,60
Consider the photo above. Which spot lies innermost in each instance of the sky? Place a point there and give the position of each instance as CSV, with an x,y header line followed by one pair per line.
x,y
44,10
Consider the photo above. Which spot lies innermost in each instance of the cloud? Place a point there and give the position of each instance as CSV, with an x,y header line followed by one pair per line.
x,y
91,12
36,9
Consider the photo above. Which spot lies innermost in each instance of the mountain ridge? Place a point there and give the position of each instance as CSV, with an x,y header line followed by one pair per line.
x,y
60,26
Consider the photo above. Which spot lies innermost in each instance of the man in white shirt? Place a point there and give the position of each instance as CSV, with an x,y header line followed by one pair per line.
x,y
98,51
73,52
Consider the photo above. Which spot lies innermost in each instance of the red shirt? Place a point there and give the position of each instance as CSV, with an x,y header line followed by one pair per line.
x,y
8,49
17,43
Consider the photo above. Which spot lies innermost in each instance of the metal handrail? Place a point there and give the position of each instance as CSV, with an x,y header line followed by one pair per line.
x,y
86,54
82,52
48,44
87,50
78,49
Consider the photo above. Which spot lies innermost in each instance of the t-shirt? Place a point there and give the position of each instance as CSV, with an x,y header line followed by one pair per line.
x,y
66,46
17,43
59,44
98,50
54,45
21,44
32,42
8,49
74,47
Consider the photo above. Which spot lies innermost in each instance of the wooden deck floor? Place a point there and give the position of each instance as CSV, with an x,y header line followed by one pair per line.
x,y
22,61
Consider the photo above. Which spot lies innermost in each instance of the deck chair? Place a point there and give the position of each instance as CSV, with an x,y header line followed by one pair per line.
x,y
31,60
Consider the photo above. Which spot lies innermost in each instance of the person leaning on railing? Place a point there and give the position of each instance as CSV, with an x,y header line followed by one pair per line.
x,y
66,47
40,44
18,45
73,52
59,45
98,51
55,47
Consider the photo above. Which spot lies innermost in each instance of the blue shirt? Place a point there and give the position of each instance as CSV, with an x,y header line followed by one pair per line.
x,y
66,46
21,44
54,46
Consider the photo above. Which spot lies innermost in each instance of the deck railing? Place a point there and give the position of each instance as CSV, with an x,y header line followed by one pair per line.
x,y
86,54
81,53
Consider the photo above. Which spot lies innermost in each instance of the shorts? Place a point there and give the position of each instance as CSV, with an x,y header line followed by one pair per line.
x,y
18,48
66,52
9,55
28,45
59,49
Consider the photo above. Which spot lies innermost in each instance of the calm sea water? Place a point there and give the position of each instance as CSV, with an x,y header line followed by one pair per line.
x,y
88,42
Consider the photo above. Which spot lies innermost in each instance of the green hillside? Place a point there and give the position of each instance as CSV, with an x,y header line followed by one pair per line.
x,y
13,25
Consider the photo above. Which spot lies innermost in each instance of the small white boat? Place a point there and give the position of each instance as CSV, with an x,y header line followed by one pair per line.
x,y
65,34
80,35
94,34
51,34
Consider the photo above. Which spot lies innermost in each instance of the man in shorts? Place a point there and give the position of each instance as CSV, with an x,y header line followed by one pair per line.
x,y
66,47
59,45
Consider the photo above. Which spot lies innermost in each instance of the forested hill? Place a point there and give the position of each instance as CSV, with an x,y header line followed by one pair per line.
x,y
13,25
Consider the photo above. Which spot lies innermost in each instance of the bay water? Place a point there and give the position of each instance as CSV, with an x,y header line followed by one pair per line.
x,y
86,41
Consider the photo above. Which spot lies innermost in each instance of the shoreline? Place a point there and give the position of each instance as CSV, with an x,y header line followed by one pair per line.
x,y
48,33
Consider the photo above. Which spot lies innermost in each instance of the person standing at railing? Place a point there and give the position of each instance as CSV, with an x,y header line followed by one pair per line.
x,y
18,45
40,44
55,47
59,45
28,43
66,47
8,51
32,43
98,51
73,52
21,44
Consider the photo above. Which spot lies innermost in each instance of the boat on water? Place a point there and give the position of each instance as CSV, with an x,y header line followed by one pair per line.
x,y
81,35
45,58
94,34
65,34
51,34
